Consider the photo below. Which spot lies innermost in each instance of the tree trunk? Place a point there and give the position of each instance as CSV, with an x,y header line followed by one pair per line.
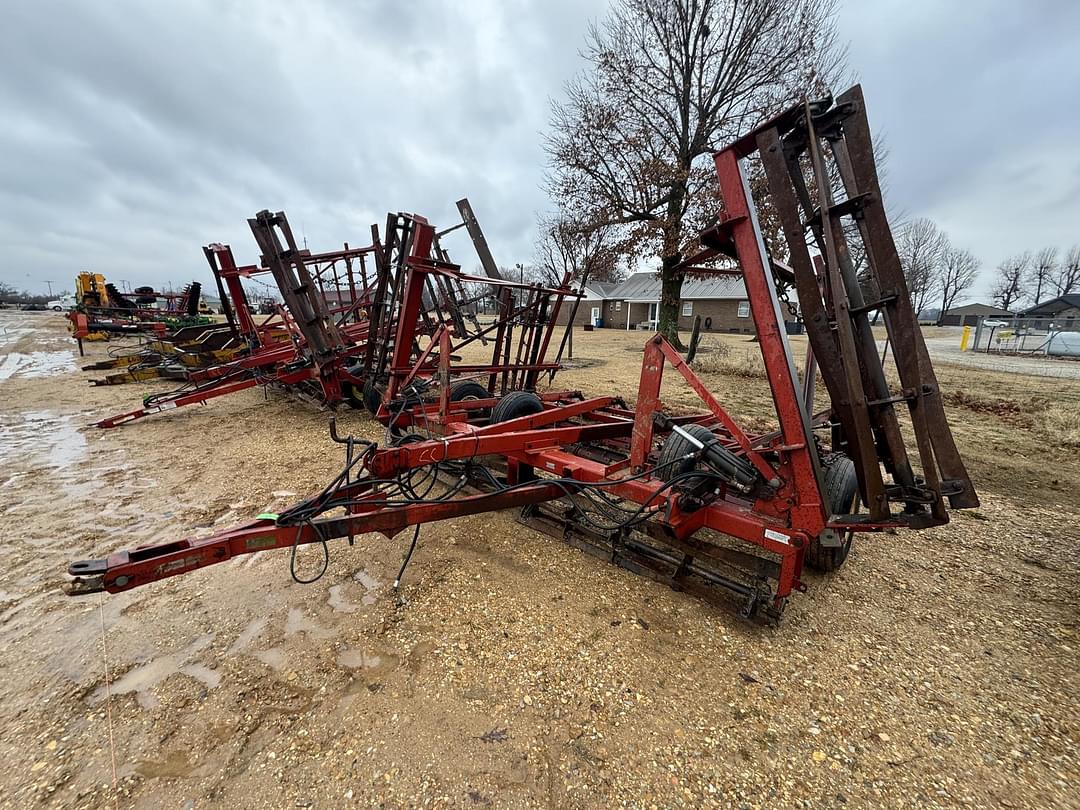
x,y
945,304
670,300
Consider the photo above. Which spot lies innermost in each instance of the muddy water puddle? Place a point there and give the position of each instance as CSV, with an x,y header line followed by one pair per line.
x,y
297,622
40,439
342,597
249,634
36,364
370,584
174,765
274,658
43,460
371,663
143,678
49,475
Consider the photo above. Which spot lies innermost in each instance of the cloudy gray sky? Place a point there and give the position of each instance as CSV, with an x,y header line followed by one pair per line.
x,y
132,133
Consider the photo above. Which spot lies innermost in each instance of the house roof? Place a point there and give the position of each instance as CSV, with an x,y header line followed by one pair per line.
x,y
604,287
646,287
601,289
1054,305
977,309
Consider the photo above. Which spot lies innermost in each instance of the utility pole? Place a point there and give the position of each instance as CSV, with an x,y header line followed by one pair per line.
x,y
50,287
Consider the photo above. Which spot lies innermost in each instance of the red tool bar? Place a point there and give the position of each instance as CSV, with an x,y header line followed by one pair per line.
x,y
129,569
197,396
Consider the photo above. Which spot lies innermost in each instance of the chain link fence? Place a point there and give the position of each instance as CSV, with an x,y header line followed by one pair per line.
x,y
1036,337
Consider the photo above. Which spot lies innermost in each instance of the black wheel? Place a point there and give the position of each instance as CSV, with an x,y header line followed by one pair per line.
x,y
673,459
372,396
841,498
353,398
354,394
467,390
515,404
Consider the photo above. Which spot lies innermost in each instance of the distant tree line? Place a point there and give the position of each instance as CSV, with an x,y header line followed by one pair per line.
x,y
10,295
937,271
1034,277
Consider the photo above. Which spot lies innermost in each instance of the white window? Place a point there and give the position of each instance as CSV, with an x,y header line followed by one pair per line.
x,y
687,308
744,309
618,306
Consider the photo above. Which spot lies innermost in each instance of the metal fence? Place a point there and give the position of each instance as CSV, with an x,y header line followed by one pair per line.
x,y
1039,337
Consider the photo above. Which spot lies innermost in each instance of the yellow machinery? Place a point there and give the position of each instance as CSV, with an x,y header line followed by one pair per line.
x,y
90,290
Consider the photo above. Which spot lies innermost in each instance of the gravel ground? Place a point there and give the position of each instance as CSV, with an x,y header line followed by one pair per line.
x,y
936,668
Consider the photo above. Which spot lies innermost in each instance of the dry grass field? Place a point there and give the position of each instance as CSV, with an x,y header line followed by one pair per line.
x,y
937,668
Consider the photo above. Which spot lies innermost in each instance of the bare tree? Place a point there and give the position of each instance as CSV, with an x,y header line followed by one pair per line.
x,y
956,274
922,247
668,82
566,245
1043,269
1066,278
1010,288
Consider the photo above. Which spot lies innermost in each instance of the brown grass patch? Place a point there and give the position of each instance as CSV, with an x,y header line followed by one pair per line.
x,y
1060,424
1016,412
721,358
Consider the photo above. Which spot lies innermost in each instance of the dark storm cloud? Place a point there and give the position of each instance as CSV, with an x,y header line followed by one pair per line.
x,y
131,133
977,104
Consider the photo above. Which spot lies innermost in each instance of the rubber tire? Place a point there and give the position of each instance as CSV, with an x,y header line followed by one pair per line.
x,y
675,447
372,397
466,390
841,493
515,404
351,397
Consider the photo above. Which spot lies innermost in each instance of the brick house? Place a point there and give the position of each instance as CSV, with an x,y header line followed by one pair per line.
x,y
720,301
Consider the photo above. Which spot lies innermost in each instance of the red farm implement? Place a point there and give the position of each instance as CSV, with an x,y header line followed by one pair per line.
x,y
693,500
360,338
84,326
405,383
327,288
